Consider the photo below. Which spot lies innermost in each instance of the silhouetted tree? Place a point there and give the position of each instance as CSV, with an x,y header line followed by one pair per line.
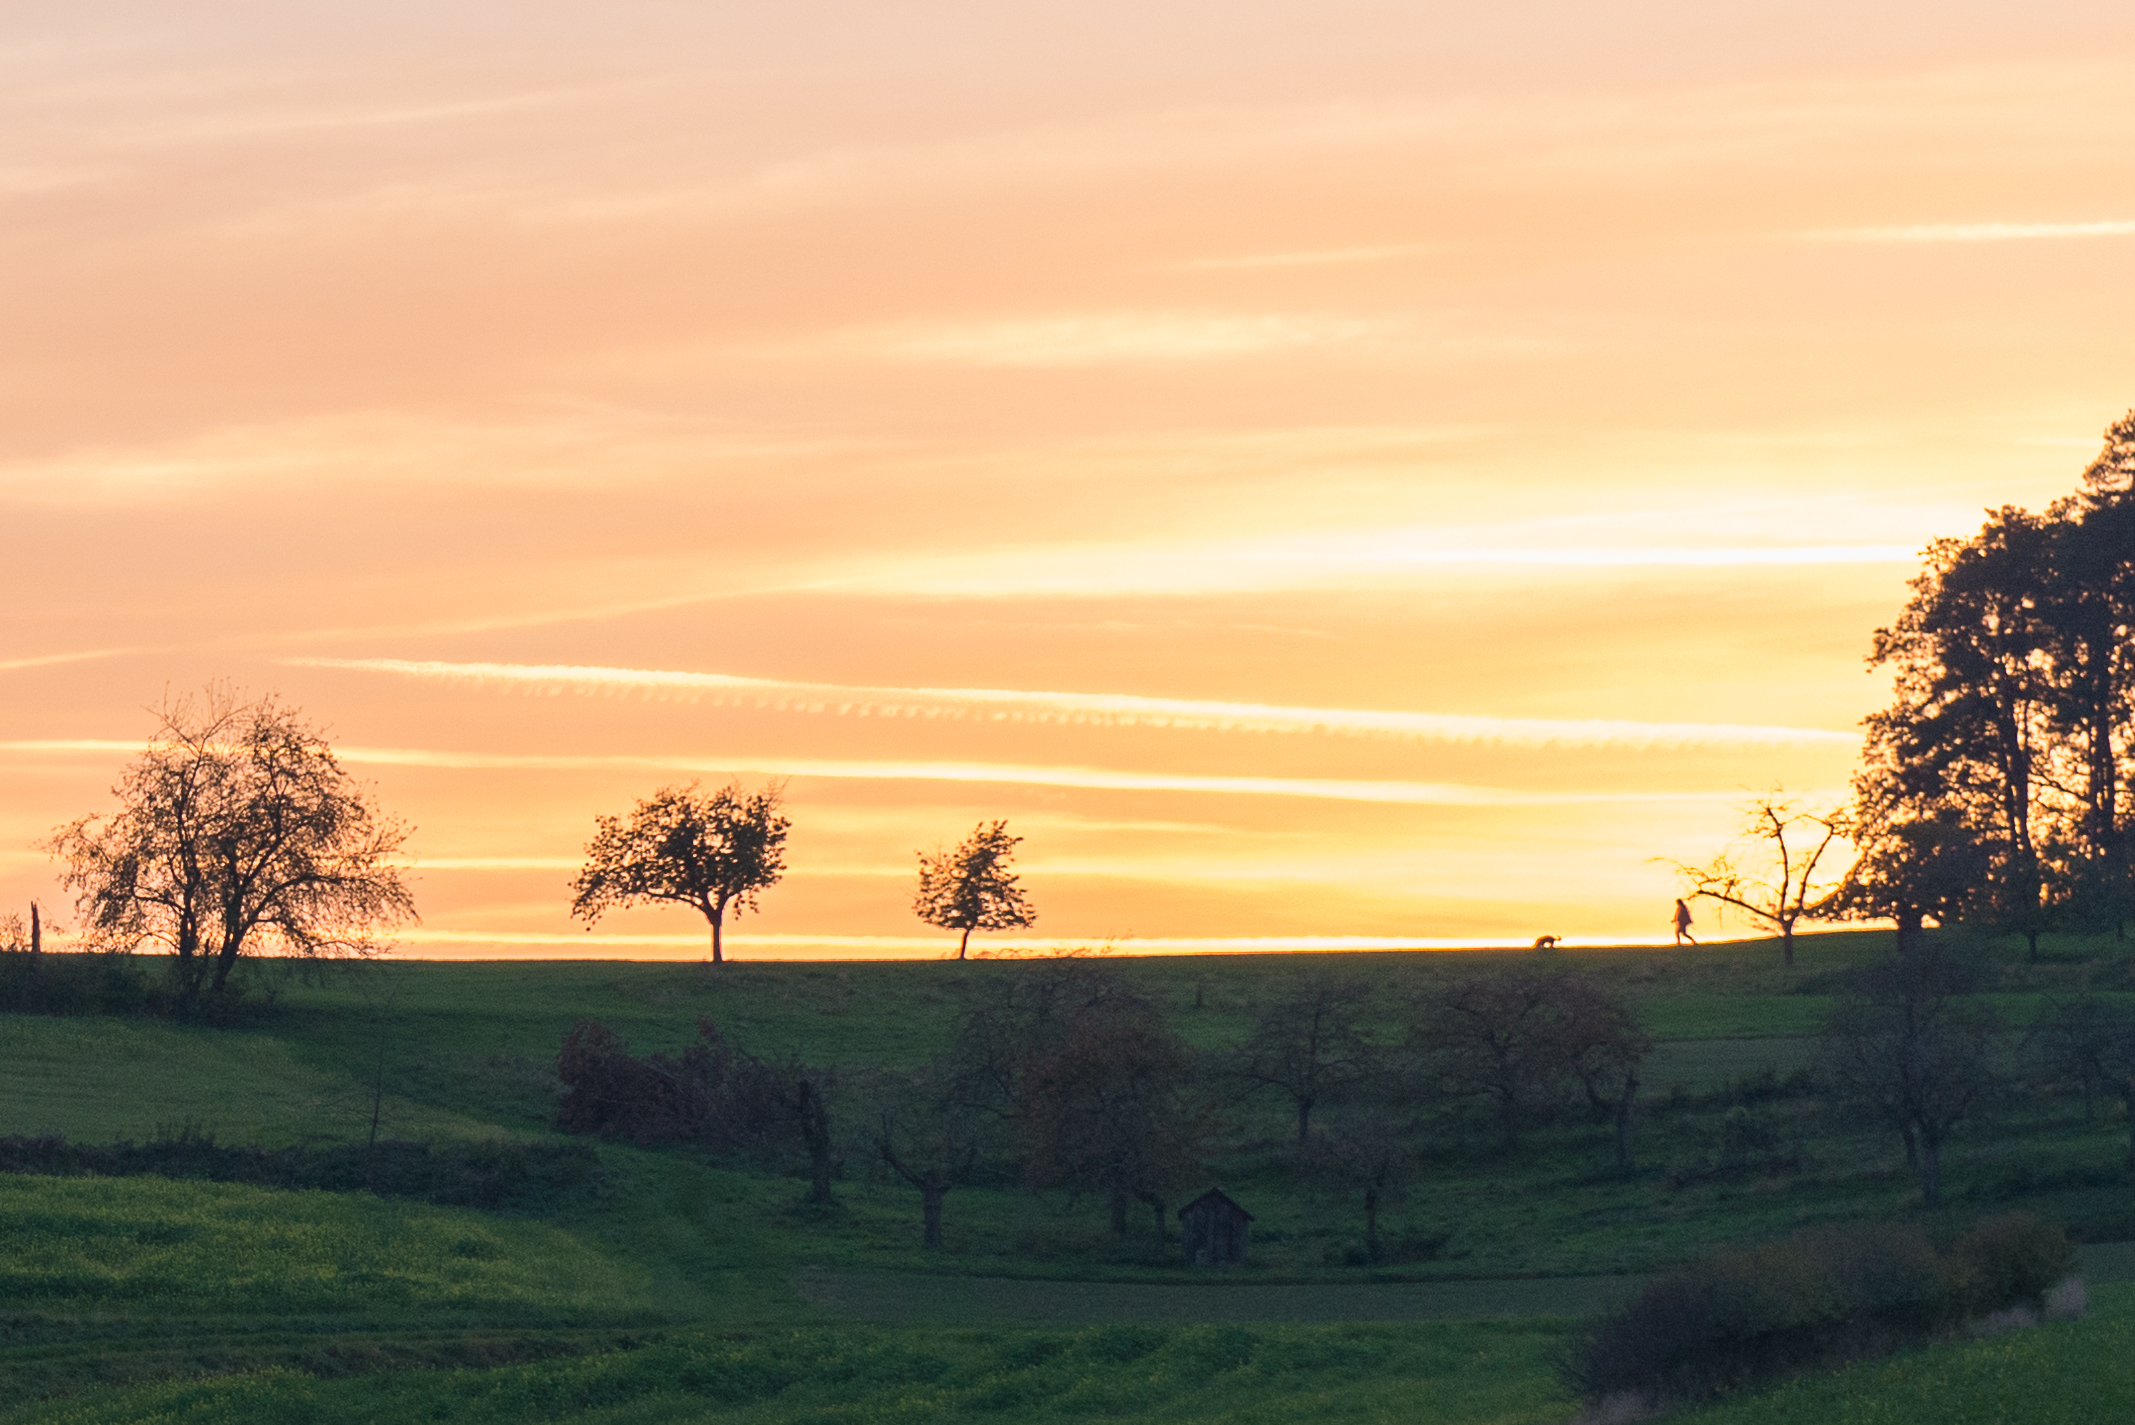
x,y
1308,1044
2015,702
1779,868
236,833
1912,1045
711,851
971,887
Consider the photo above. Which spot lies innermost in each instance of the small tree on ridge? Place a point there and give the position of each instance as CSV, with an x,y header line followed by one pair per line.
x,y
711,851
971,887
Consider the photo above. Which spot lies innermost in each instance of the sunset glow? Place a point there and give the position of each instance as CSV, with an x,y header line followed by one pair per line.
x,y
1328,476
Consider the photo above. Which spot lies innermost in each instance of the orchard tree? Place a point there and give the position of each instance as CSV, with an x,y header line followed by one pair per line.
x,y
1913,1045
1780,869
931,1132
1309,1045
711,851
237,833
971,887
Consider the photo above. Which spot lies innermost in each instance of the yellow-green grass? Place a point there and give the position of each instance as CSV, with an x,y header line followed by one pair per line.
x,y
1441,1374
152,1246
100,1079
2071,1373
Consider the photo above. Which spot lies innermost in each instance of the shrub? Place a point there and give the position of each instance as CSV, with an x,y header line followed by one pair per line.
x,y
713,1095
2010,1261
1743,1316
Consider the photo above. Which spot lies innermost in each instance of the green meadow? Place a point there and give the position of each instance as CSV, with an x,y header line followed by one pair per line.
x,y
675,1287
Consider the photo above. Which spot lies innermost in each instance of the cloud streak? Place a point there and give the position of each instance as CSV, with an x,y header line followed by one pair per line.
x,y
1092,709
995,773
1976,232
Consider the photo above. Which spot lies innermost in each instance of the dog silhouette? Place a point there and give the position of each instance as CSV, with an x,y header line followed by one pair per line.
x,y
1545,942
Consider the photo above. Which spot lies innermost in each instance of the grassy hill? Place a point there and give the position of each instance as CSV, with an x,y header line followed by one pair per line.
x,y
676,1285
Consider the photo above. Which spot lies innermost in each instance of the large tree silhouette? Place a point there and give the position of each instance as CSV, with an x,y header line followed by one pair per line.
x,y
237,833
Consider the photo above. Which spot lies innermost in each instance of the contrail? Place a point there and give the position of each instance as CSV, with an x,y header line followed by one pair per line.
x,y
1092,709
1000,773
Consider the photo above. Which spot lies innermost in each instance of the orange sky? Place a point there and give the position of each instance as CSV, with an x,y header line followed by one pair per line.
x,y
1447,453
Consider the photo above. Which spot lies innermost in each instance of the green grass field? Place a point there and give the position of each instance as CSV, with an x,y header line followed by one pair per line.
x,y
689,1289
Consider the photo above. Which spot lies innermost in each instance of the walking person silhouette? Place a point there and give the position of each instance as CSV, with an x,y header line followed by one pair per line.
x,y
1681,921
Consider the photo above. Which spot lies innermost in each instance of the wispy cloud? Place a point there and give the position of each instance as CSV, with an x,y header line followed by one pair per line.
x,y
995,773
1975,232
1091,339
908,946
49,660
1310,561
1095,709
1315,257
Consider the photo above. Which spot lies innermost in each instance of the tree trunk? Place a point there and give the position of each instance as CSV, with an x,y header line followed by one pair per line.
x,y
2127,1096
2031,946
1930,1170
815,1133
931,1192
1119,1212
1623,1121
964,944
1156,1205
1786,942
717,915
1371,1223
36,931
1912,1147
1304,1120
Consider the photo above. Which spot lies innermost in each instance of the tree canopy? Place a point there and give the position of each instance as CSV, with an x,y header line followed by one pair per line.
x,y
1997,783
971,888
711,851
237,833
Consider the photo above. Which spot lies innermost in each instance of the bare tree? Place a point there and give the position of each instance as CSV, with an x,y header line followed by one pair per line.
x,y
1603,1047
711,851
237,832
1107,1109
929,1131
1368,1148
1308,1045
1913,1046
1779,869
971,887
1521,1039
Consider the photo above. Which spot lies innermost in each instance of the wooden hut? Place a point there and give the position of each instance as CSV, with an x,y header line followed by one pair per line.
x,y
1214,1228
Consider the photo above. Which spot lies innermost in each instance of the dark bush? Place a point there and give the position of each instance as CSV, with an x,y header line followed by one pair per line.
x,y
713,1095
2011,1260
495,1174
1744,1316
49,983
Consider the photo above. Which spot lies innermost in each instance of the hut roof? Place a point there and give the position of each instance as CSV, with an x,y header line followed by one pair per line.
x,y
1215,1197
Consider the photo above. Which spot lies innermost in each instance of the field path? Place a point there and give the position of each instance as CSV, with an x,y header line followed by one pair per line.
x,y
915,1299
980,1301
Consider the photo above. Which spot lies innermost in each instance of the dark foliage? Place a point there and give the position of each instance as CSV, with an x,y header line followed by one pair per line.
x,y
1741,1317
712,1095
75,984
490,1175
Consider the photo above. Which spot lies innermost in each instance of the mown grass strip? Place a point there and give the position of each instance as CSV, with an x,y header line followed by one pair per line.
x,y
1436,1375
